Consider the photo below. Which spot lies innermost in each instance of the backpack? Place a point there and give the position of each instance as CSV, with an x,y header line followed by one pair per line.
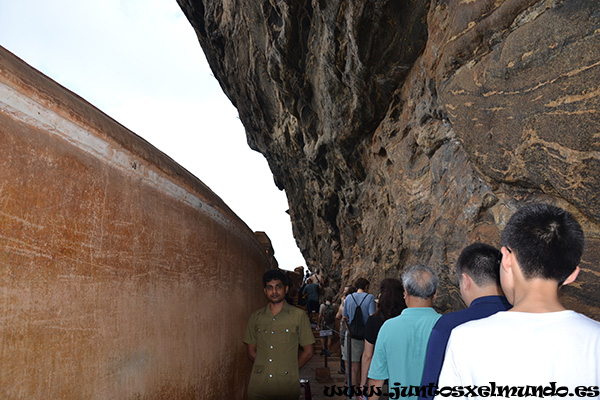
x,y
357,325
329,315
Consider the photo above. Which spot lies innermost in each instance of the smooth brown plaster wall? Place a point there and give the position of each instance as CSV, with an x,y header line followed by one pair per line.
x,y
122,276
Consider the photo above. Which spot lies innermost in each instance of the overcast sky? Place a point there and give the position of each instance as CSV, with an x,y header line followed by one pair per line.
x,y
139,61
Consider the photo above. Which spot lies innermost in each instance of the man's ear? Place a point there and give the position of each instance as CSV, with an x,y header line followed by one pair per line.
x,y
506,262
434,296
571,278
465,281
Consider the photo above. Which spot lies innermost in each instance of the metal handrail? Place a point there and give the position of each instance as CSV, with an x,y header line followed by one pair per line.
x,y
348,354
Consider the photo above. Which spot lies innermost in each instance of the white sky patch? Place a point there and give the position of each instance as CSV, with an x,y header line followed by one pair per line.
x,y
139,61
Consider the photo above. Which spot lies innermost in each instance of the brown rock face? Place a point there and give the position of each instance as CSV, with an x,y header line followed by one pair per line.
x,y
403,131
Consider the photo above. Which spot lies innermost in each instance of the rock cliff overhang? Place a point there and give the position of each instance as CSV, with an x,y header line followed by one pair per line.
x,y
402,131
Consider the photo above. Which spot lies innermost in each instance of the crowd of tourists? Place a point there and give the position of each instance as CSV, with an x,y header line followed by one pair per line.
x,y
513,339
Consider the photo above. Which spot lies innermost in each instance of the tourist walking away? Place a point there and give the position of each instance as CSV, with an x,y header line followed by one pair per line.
x,y
340,316
401,345
478,274
327,314
312,296
357,309
273,335
537,348
389,305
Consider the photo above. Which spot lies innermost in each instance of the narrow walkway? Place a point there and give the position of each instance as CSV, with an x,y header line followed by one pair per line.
x,y
321,378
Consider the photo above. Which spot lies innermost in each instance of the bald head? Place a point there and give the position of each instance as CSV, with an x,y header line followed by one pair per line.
x,y
420,281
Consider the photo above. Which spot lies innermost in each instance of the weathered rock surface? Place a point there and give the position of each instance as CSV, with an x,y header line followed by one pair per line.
x,y
403,131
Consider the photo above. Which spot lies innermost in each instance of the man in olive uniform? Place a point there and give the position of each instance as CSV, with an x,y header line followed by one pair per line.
x,y
273,335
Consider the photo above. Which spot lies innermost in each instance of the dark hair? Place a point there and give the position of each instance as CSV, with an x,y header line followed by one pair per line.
x,y
420,281
274,274
391,298
480,262
361,283
351,289
546,241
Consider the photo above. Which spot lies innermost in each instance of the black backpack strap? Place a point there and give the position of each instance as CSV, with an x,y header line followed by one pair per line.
x,y
355,302
362,301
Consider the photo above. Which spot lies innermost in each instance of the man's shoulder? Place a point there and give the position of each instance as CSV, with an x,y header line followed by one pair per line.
x,y
413,315
416,319
583,318
463,335
434,317
257,316
389,325
582,321
569,327
497,319
258,312
448,322
453,319
584,329
354,300
296,312
291,308
511,320
420,312
360,295
367,299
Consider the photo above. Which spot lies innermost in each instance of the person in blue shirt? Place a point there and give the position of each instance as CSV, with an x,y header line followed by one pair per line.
x,y
366,302
479,282
399,353
390,304
312,296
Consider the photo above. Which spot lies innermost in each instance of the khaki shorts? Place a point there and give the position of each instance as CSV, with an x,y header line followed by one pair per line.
x,y
357,347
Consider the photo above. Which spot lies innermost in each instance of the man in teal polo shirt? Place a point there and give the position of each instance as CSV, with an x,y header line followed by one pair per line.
x,y
273,335
401,346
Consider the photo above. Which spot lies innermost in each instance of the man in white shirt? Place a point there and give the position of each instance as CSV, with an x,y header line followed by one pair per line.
x,y
538,348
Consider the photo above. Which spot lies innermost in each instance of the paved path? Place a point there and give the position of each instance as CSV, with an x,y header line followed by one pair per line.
x,y
317,363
